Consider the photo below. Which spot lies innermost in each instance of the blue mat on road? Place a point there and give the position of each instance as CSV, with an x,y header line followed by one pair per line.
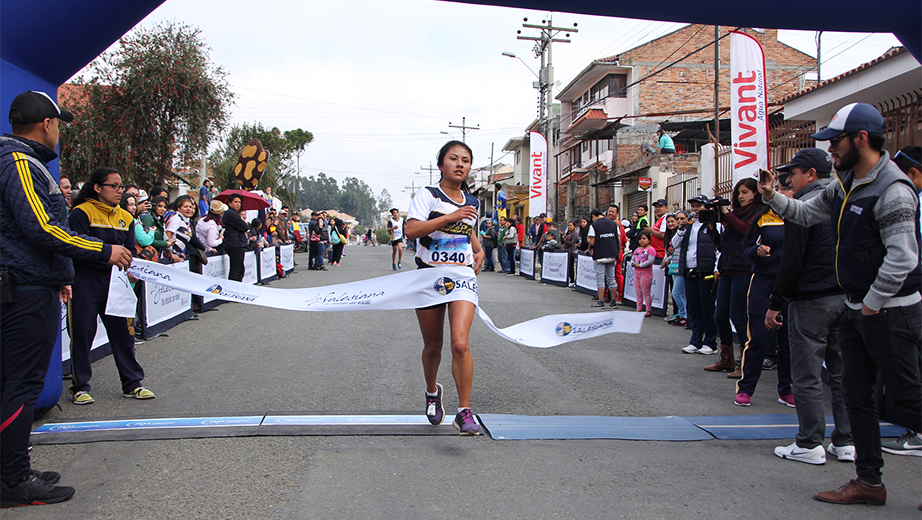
x,y
523,427
763,427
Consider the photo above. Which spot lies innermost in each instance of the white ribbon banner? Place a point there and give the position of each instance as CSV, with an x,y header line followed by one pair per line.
x,y
408,290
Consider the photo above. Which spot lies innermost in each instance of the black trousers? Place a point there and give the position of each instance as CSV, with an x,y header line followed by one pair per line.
x,y
886,343
510,257
90,294
28,329
236,268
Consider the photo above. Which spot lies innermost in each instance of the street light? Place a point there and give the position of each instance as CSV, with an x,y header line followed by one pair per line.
x,y
512,55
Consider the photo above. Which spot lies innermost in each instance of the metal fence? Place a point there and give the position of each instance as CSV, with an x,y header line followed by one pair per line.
x,y
903,116
681,187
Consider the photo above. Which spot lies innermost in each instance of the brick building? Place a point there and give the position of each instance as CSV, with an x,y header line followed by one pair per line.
x,y
611,110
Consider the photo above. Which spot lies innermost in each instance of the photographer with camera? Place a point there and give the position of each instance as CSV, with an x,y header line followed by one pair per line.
x,y
696,245
735,272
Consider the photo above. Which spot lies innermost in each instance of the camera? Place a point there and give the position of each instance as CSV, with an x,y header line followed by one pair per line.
x,y
711,212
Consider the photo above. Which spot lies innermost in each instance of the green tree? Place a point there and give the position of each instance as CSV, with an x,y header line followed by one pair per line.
x,y
319,193
153,102
357,199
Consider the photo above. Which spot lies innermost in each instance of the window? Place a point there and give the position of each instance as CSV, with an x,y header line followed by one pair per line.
x,y
616,84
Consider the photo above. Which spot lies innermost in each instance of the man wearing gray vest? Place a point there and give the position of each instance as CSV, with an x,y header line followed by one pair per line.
x,y
874,213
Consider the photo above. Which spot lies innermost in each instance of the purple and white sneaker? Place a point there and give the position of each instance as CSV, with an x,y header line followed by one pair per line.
x,y
465,423
434,411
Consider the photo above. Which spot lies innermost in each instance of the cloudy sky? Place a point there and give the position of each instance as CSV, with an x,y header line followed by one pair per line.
x,y
377,82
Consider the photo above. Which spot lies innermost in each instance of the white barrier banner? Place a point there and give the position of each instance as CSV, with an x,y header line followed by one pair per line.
x,y
585,272
657,288
215,268
267,263
409,290
554,267
250,275
527,263
99,340
287,257
164,301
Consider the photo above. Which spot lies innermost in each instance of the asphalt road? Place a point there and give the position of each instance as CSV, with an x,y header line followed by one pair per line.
x,y
243,359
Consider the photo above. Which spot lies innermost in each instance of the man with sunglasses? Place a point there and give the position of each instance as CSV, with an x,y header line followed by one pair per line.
x,y
35,245
873,209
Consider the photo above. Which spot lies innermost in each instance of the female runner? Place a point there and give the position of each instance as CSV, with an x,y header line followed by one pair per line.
x,y
444,219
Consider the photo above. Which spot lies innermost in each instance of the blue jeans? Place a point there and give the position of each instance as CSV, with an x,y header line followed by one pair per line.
x,y
488,260
321,249
678,294
503,261
732,290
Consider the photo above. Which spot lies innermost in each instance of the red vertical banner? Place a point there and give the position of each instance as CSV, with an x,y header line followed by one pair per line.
x,y
748,106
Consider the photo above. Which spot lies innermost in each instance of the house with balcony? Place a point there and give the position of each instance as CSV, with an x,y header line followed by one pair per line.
x,y
611,110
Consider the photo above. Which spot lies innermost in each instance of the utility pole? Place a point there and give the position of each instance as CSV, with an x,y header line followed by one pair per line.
x,y
464,128
431,169
543,50
412,188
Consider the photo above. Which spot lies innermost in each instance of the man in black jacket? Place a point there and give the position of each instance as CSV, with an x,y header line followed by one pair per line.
x,y
235,237
807,280
35,243
605,241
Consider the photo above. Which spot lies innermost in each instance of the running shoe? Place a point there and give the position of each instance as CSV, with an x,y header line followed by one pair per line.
x,y
394,266
815,455
82,397
910,443
707,350
51,477
33,491
598,305
613,304
399,265
768,364
434,410
140,393
465,423
691,349
787,400
742,399
843,453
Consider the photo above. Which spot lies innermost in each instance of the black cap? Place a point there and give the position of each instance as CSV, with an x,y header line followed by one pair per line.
x,y
809,158
35,106
660,202
699,198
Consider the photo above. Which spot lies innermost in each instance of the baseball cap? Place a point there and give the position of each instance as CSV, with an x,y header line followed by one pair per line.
x,y
35,106
143,196
660,202
853,118
699,198
809,158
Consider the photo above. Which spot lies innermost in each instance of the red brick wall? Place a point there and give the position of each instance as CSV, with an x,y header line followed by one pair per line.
x,y
689,84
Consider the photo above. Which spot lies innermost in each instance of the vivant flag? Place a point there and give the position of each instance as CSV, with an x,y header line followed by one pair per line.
x,y
748,107
409,290
537,185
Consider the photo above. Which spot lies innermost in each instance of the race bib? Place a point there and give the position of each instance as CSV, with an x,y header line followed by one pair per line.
x,y
450,251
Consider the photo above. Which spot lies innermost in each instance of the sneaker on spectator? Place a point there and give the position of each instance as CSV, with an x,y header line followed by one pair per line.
x,y
140,393
787,400
598,305
82,397
465,423
691,349
707,350
434,410
51,477
768,364
910,443
816,455
613,304
33,491
742,399
842,453
670,318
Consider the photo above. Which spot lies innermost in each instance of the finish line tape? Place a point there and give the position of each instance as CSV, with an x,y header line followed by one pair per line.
x,y
408,290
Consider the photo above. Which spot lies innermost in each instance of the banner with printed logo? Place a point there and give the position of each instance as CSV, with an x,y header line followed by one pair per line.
x,y
657,288
100,341
164,306
585,274
217,267
267,271
287,258
748,107
250,268
537,175
527,263
408,290
555,267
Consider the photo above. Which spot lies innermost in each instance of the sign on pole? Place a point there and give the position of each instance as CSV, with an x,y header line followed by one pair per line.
x,y
748,107
537,189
